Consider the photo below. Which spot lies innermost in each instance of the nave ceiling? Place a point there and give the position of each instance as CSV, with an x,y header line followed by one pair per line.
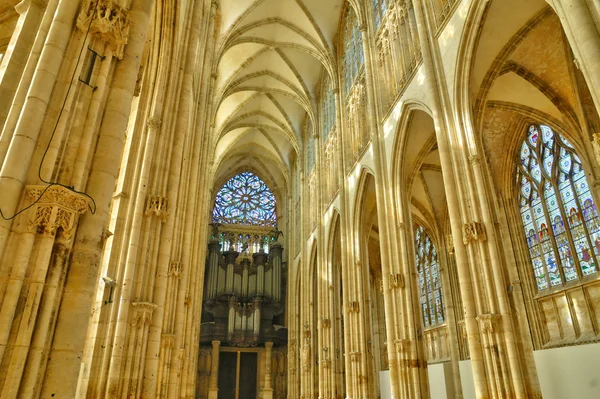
x,y
270,57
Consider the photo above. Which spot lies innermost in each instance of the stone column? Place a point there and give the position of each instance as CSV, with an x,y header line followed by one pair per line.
x,y
13,62
462,261
268,389
80,289
58,208
10,119
213,388
16,164
584,37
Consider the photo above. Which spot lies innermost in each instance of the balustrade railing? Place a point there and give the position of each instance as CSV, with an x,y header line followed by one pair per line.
x,y
437,344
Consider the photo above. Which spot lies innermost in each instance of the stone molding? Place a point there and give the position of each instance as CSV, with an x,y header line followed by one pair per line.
x,y
56,207
106,20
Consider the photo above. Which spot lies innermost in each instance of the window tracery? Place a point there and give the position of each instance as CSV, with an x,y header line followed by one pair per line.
x,y
353,51
328,109
245,199
430,281
310,154
558,212
379,9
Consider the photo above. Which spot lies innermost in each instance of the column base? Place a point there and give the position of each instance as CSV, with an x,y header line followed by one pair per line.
x,y
267,393
213,393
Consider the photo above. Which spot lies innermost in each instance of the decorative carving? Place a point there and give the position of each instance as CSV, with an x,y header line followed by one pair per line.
x,y
353,307
158,206
489,323
450,244
473,231
56,207
596,146
175,269
306,356
325,360
402,345
396,281
143,312
275,234
325,323
355,356
168,340
106,20
154,123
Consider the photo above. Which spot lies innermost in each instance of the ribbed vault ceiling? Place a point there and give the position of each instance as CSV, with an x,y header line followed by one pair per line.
x,y
270,57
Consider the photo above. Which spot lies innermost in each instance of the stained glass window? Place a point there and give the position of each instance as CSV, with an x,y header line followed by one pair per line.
x,y
327,109
379,8
245,199
430,281
353,50
557,210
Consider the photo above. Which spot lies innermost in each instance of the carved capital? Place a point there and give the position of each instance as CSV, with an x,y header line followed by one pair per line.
x,y
55,207
143,312
168,340
175,269
159,206
396,281
106,20
402,345
353,307
154,123
489,323
473,231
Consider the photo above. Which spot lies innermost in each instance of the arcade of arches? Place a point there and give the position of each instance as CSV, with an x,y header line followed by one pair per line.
x,y
284,199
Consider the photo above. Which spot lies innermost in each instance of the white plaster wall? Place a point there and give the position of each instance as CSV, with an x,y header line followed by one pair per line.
x,y
440,381
384,385
466,379
565,373
570,372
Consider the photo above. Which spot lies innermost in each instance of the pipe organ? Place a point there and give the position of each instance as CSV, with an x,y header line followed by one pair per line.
x,y
244,287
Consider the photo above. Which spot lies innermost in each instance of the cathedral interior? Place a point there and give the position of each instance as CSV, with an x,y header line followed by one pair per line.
x,y
300,199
